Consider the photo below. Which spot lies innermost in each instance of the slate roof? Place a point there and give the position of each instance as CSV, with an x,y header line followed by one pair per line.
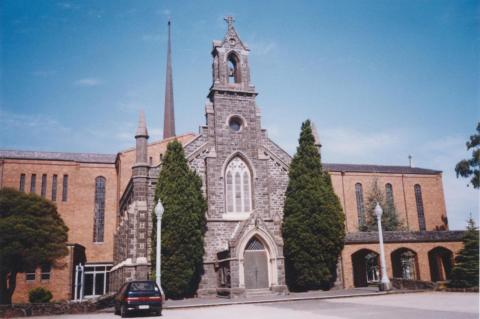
x,y
59,156
110,159
366,168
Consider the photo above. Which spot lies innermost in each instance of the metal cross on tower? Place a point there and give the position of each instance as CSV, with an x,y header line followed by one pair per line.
x,y
230,20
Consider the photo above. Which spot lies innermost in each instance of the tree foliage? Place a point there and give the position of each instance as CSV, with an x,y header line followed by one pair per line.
x,y
183,224
471,167
32,233
465,272
390,220
313,225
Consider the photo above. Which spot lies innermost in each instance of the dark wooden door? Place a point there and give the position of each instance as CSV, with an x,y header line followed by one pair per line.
x,y
256,269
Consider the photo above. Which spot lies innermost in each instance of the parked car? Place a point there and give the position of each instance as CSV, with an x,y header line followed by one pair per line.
x,y
141,296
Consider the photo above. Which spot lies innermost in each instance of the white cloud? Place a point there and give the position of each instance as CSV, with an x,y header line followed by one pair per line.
x,y
44,73
164,12
86,82
341,142
125,136
68,5
262,47
11,121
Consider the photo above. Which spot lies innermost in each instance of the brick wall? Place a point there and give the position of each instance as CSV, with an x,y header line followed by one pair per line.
x,y
421,249
403,194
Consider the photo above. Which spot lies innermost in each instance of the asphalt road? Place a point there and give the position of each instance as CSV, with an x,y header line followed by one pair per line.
x,y
431,305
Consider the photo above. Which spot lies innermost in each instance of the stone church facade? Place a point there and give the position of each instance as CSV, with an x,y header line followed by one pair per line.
x,y
107,201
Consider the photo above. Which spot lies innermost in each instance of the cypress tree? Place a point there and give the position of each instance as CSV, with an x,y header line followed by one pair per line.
x,y
390,220
465,272
183,224
313,224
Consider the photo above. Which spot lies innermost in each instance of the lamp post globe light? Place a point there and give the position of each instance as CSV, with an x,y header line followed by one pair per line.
x,y
159,212
384,282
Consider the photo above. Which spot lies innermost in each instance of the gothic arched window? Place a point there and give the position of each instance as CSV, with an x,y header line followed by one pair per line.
x,y
99,218
238,187
389,194
360,205
233,72
420,212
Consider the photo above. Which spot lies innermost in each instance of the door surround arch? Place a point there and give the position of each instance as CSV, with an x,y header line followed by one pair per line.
x,y
271,251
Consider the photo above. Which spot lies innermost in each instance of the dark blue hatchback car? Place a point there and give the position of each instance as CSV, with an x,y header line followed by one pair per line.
x,y
138,296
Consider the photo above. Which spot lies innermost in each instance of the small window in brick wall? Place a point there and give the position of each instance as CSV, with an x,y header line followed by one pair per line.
x,y
65,188
54,187
22,183
43,191
420,212
99,217
30,274
389,194
46,271
33,183
360,204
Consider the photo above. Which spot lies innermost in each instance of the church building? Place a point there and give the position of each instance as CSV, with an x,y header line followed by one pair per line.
x,y
107,201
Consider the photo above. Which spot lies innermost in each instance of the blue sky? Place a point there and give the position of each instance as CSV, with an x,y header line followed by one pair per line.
x,y
381,79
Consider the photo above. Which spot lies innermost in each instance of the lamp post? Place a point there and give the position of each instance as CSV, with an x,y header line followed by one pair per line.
x,y
385,282
159,212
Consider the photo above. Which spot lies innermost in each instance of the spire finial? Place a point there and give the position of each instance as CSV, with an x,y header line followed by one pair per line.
x,y
142,126
169,116
230,20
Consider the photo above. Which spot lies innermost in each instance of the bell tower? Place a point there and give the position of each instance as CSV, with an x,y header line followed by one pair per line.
x,y
244,185
230,62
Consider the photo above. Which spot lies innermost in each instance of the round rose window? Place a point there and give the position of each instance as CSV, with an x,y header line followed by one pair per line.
x,y
235,123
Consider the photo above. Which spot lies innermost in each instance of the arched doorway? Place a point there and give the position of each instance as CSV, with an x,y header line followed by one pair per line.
x,y
255,265
441,262
405,264
366,269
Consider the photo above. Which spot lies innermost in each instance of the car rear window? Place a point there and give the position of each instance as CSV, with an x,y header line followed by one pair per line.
x,y
142,286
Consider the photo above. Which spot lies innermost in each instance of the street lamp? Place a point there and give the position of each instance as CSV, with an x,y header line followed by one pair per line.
x,y
159,212
385,282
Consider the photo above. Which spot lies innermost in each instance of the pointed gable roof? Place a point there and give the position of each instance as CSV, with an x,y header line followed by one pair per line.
x,y
231,39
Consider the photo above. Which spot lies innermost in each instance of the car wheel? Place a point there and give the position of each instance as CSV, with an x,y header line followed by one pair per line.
x,y
123,311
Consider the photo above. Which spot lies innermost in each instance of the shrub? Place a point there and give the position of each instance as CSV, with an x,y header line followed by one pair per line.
x,y
39,295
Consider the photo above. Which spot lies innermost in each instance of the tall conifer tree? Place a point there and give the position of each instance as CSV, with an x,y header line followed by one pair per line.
x,y
465,271
313,224
183,224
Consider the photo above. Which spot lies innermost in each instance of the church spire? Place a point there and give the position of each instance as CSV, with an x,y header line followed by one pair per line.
x,y
169,116
141,137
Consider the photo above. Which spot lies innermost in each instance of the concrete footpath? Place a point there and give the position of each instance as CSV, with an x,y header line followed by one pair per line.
x,y
311,295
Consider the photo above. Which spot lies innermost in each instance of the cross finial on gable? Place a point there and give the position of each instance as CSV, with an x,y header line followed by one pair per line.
x,y
230,20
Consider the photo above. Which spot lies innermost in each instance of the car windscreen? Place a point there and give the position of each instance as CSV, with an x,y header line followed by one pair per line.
x,y
142,286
